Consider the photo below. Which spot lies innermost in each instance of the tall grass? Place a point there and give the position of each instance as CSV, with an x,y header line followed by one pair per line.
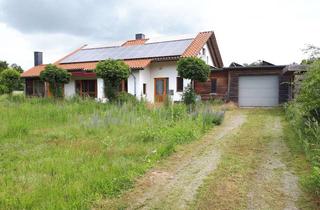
x,y
68,154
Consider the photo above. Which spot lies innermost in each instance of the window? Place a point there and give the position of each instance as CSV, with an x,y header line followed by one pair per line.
x,y
203,51
34,87
144,89
179,84
213,85
87,88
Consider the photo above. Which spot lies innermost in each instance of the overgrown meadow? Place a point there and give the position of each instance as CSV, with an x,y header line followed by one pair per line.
x,y
69,154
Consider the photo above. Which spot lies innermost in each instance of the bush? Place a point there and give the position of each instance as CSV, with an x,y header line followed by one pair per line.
x,y
112,72
9,80
303,115
189,96
56,77
309,96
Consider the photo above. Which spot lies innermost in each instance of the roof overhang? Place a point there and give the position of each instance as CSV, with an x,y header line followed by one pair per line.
x,y
137,64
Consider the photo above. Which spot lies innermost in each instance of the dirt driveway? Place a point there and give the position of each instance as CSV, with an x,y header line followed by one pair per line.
x,y
176,182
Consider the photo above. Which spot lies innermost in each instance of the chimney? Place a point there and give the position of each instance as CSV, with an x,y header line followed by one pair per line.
x,y
140,36
37,58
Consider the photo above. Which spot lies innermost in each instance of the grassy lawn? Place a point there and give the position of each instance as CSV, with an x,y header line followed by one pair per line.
x,y
67,155
244,154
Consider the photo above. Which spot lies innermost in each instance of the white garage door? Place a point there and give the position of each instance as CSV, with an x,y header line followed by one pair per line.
x,y
258,91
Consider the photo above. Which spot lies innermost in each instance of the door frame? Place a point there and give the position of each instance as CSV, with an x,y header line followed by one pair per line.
x,y
166,80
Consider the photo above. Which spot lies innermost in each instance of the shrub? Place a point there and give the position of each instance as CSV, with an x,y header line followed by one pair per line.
x,y
304,116
309,96
189,96
9,80
56,77
112,72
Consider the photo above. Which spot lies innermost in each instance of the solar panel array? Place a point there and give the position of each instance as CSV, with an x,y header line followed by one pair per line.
x,y
152,50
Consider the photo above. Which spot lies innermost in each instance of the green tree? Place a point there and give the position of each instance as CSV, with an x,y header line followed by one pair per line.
x,y
112,72
17,68
10,80
193,68
56,77
3,66
313,53
309,96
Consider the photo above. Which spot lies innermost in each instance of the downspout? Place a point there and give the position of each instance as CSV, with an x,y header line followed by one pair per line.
x,y
134,84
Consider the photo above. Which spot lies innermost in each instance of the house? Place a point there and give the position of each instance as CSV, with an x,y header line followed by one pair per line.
x,y
153,64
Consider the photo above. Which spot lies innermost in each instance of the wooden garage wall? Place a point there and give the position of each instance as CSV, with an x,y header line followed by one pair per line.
x,y
204,88
284,81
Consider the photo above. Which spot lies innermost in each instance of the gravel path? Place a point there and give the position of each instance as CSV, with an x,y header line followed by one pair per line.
x,y
174,184
273,178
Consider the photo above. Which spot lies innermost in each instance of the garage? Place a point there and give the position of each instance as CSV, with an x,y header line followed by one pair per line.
x,y
258,91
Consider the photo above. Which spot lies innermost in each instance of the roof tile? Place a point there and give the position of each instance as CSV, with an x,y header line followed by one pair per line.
x,y
133,64
197,44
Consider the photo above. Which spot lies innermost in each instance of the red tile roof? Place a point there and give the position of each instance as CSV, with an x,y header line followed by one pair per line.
x,y
134,42
133,64
197,44
34,71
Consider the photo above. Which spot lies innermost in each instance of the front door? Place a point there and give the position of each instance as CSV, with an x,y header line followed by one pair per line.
x,y
160,89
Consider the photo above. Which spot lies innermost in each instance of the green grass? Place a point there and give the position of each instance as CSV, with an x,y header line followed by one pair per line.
x,y
69,154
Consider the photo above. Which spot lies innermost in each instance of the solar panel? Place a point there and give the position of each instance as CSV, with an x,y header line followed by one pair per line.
x,y
152,50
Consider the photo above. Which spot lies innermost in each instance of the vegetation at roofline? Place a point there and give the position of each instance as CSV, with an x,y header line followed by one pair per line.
x,y
112,72
69,154
56,77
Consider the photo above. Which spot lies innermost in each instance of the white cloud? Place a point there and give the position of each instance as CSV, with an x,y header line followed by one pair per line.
x,y
246,30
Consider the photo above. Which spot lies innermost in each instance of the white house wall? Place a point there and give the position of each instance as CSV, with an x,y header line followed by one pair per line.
x,y
165,70
133,79
207,56
145,79
70,89
100,89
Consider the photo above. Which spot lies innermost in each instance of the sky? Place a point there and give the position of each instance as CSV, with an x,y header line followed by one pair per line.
x,y
246,30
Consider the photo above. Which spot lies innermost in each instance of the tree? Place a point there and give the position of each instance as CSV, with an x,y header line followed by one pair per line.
x,y
193,68
3,66
10,80
17,68
313,53
309,96
56,77
112,72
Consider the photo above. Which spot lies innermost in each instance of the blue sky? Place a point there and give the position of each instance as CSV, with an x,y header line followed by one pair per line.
x,y
247,30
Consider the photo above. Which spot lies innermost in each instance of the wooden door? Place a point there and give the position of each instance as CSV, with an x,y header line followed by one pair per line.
x,y
161,87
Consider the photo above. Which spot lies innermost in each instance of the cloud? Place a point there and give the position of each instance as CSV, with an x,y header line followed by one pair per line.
x,y
99,18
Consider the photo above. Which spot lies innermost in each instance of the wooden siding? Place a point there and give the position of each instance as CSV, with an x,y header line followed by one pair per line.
x,y
284,82
204,88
